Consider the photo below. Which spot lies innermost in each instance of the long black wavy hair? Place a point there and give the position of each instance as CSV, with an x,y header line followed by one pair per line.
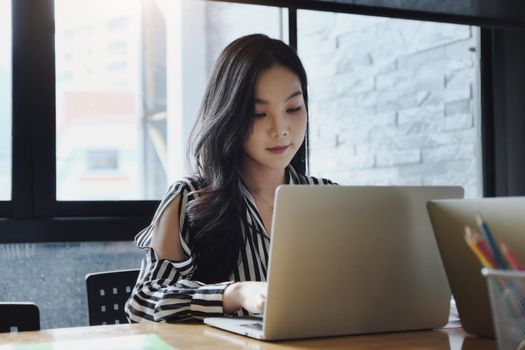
x,y
216,148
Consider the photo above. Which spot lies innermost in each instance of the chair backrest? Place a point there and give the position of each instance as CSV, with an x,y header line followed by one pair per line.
x,y
107,292
18,317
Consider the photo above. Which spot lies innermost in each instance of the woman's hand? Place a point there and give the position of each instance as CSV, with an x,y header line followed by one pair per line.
x,y
248,295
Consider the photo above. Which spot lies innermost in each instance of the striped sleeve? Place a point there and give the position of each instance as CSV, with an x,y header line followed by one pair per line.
x,y
164,291
311,180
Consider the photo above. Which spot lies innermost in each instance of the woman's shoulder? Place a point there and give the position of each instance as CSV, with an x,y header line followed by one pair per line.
x,y
303,179
187,188
185,185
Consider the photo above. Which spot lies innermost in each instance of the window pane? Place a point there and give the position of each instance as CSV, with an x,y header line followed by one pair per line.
x,y
392,101
226,22
129,83
5,99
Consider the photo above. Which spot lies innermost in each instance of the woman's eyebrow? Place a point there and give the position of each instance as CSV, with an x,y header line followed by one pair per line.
x,y
265,102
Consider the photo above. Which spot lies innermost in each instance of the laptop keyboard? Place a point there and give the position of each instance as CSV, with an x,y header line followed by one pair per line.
x,y
256,326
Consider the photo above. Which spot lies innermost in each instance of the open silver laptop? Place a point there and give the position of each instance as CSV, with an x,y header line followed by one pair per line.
x,y
506,219
350,260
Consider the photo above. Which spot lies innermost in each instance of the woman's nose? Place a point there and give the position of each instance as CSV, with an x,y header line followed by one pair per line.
x,y
279,126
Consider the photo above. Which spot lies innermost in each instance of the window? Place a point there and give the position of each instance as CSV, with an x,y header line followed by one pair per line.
x,y
102,160
393,101
98,114
118,23
117,47
78,129
226,22
5,100
119,75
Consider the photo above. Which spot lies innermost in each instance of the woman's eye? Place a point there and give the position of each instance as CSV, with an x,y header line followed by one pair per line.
x,y
294,110
260,115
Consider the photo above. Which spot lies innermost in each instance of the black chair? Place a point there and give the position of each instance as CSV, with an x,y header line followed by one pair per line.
x,y
107,292
18,317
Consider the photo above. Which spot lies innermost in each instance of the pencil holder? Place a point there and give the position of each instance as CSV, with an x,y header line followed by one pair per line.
x,y
507,301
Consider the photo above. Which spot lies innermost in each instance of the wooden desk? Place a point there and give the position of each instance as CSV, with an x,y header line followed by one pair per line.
x,y
198,336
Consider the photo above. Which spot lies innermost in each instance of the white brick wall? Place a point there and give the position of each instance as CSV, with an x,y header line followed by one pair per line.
x,y
401,100
391,101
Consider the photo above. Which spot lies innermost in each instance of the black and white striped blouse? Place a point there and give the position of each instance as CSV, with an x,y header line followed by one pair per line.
x,y
165,291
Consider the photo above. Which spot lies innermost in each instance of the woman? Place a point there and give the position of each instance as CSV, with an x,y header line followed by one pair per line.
x,y
207,245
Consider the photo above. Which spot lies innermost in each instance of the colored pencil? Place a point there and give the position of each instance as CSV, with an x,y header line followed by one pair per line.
x,y
474,246
512,260
487,235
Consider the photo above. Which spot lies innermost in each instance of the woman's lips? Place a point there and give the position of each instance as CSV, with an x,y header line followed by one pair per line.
x,y
278,149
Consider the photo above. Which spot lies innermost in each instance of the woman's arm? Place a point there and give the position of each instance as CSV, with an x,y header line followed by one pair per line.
x,y
165,291
166,238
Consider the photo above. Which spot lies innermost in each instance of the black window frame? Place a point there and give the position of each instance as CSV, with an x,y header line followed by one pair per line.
x,y
34,214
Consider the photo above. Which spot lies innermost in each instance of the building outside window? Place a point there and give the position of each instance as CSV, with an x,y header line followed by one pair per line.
x,y
131,78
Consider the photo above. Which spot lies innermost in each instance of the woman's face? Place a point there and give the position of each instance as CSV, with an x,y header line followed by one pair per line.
x,y
279,124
